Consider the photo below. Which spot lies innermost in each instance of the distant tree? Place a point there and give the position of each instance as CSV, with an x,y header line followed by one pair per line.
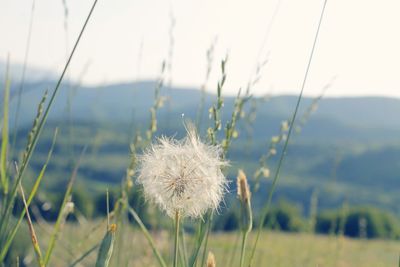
x,y
285,216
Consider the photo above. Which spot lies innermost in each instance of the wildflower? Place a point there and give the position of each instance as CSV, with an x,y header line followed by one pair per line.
x,y
183,176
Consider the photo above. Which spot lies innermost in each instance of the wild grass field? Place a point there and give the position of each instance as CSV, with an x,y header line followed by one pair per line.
x,y
194,180
276,248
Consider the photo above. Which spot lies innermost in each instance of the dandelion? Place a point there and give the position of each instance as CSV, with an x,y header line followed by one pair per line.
x,y
183,176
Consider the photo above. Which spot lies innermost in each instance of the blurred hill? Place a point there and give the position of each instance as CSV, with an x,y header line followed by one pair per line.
x,y
348,150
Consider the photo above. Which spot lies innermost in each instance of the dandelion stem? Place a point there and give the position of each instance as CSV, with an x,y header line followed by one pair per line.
x,y
177,220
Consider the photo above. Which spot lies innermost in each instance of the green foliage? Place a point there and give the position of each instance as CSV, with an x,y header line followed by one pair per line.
x,y
285,217
106,247
83,202
227,222
100,203
137,202
365,222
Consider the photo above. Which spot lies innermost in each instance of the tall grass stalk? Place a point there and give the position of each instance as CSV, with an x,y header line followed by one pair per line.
x,y
62,214
148,236
158,103
206,237
11,197
34,190
200,236
169,65
266,208
22,81
35,241
230,127
215,114
4,137
263,169
84,255
313,106
210,60
234,248
183,248
246,214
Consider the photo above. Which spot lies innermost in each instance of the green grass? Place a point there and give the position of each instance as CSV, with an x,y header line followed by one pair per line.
x,y
283,249
275,248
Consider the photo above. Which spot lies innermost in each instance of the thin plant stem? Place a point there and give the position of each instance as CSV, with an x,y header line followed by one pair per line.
x,y
176,247
34,190
147,235
10,200
243,250
266,208
233,252
199,241
184,249
62,214
22,83
35,242
208,230
84,255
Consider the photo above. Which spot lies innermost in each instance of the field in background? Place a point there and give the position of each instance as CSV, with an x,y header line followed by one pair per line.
x,y
276,249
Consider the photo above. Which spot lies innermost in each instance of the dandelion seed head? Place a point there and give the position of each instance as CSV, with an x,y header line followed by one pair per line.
x,y
183,175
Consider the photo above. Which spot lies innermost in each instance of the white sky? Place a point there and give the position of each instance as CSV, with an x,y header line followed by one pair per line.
x,y
359,41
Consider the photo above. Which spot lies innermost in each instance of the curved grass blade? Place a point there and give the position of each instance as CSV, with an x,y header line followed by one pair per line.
x,y
84,255
22,82
148,236
8,206
30,198
106,247
62,215
4,137
266,208
35,241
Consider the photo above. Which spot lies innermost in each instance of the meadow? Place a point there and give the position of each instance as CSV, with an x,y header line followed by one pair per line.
x,y
192,185
276,248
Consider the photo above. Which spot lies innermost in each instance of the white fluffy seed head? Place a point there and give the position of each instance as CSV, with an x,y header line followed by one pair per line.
x,y
183,175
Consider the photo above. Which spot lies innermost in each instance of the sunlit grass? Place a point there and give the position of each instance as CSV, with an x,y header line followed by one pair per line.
x,y
275,248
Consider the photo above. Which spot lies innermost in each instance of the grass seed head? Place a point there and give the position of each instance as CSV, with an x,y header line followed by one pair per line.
x,y
245,202
211,260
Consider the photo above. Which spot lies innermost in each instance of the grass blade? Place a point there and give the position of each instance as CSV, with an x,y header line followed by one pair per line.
x,y
22,82
35,241
30,198
84,255
148,236
44,118
62,215
106,247
4,137
266,208
199,242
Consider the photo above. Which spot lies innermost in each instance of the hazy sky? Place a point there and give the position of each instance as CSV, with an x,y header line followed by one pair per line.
x,y
359,41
